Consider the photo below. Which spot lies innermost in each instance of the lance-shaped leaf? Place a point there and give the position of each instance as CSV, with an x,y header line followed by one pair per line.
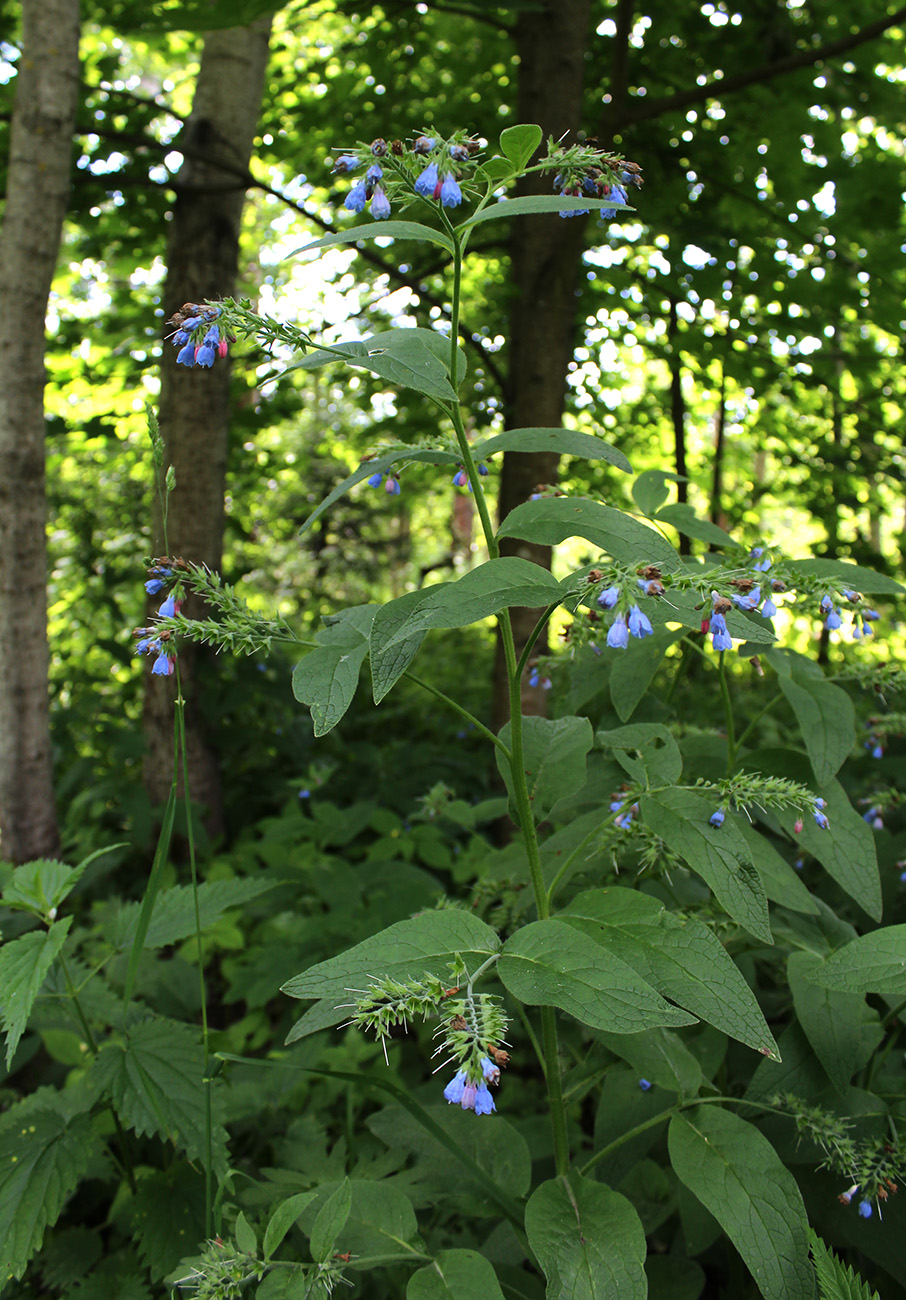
x,y
375,230
326,679
825,713
851,577
533,204
555,752
548,963
563,442
550,520
330,1222
380,1221
718,854
874,963
24,962
409,358
842,1029
455,1275
588,1240
683,518
736,1174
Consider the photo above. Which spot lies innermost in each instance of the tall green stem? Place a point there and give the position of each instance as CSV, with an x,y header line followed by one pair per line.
x,y
728,715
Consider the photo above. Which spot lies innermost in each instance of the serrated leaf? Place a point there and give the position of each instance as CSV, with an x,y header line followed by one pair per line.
x,y
327,678
825,713
330,1222
42,885
555,752
534,204
43,1154
425,944
455,1275
408,362
155,1079
375,230
588,1240
173,917
166,1217
562,442
736,1174
518,143
549,963
718,854
551,520
842,1030
632,674
283,1218
836,1281
874,963
681,958
24,962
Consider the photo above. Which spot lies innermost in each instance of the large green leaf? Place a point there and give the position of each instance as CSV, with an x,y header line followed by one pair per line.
x,y
874,963
658,1055
851,577
842,1029
646,750
326,679
632,674
405,357
533,204
24,962
781,883
718,854
391,655
154,1076
736,1174
381,1220
283,1218
563,442
680,957
555,752
683,518
549,963
550,520
518,143
825,713
330,1222
455,1275
375,230
588,1239
425,944
43,1154
651,489
173,917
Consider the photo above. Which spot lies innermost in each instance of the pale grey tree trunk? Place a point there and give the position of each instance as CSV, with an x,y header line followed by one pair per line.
x,y
202,261
47,89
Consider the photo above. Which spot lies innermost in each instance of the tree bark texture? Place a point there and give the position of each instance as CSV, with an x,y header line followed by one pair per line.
x,y
546,253
202,262
47,89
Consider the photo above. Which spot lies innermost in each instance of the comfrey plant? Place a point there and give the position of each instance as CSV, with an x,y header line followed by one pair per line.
x,y
652,873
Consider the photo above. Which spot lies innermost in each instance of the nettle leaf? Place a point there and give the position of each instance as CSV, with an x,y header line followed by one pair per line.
x,y
380,464
455,1275
173,918
683,518
327,678
43,1155
563,442
651,489
825,713
842,1029
588,1240
375,230
683,959
852,577
422,945
42,885
518,143
874,963
550,520
532,204
406,357
166,1216
154,1076
549,963
24,962
837,1281
736,1174
555,754
718,854
632,674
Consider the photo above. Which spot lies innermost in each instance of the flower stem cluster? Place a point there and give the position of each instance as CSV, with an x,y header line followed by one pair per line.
x,y
581,169
390,1003
197,334
765,792
430,166
164,574
472,1035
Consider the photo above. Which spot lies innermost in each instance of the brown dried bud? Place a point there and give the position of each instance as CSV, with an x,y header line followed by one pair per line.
x,y
458,1023
756,664
594,575
722,605
498,1056
651,571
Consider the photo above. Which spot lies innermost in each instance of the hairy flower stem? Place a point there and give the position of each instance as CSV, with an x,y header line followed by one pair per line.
x,y
517,750
728,714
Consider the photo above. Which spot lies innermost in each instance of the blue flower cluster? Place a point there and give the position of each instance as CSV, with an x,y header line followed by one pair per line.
x,y
149,639
472,1094
845,1198
391,487
597,183
195,349
626,623
438,179
462,480
623,818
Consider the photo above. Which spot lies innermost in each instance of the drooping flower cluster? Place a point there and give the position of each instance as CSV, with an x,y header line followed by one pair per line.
x,y
473,1026
154,640
462,480
197,335
583,171
430,166
628,617
472,1094
391,487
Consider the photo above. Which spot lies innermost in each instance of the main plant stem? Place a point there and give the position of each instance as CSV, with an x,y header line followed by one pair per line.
x,y
517,744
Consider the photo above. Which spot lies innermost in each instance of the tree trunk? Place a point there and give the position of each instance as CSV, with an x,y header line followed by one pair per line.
x,y
40,157
202,261
545,253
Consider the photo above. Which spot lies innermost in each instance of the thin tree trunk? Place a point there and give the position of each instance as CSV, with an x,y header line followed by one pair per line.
x,y
678,416
545,253
202,261
40,157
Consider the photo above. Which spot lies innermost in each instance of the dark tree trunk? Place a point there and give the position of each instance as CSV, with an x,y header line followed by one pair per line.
x,y
202,261
37,191
545,253
678,416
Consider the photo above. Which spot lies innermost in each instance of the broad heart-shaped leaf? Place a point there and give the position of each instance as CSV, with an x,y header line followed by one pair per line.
x,y
824,712
555,751
23,964
588,1239
683,518
852,577
42,1157
518,143
491,587
550,520
326,679
874,963
422,945
379,465
841,1028
406,357
330,1222
650,490
390,657
683,959
154,1076
737,1175
455,1275
564,442
532,204
549,963
631,674
718,854
375,230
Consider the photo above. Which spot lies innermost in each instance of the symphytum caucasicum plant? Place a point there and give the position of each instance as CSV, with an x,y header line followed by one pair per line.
x,y
598,996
